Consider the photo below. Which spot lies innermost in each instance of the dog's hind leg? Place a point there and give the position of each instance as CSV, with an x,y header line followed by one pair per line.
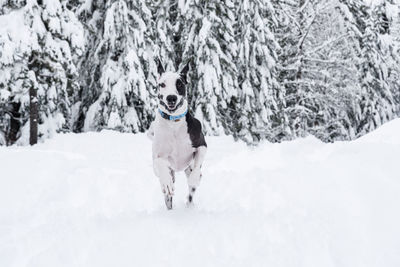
x,y
167,178
193,172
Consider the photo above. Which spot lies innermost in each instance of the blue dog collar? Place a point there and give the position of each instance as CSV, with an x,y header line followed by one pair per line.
x,y
170,117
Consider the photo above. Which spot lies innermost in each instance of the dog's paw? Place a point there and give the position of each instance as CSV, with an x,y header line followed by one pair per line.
x,y
167,186
168,201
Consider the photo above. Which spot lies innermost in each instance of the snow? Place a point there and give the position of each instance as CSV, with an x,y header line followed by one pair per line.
x,y
15,38
92,200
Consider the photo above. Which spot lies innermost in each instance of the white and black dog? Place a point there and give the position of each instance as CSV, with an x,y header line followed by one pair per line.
x,y
178,142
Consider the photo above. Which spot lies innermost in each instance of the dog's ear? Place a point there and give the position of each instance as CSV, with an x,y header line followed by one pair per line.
x,y
184,72
160,68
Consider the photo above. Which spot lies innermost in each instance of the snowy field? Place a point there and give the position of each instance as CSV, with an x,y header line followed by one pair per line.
x,y
92,200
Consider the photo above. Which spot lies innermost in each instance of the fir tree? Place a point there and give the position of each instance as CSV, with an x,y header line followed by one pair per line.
x,y
376,104
210,48
260,112
40,55
119,98
296,20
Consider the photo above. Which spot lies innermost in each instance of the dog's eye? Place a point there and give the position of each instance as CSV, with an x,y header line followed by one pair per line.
x,y
162,85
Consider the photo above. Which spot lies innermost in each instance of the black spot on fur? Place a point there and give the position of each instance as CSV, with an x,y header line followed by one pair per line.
x,y
194,131
190,198
180,87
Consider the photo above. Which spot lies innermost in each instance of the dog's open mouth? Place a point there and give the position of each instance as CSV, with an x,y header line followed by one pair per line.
x,y
171,107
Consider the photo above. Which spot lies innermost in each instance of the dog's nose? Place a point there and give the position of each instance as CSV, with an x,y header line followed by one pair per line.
x,y
172,99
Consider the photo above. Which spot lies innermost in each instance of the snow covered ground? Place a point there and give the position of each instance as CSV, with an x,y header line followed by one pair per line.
x,y
92,200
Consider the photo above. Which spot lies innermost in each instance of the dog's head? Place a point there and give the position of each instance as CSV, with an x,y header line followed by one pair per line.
x,y
171,88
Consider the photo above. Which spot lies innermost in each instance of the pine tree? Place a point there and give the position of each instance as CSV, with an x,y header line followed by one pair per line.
x,y
118,98
167,27
210,48
296,20
385,21
376,105
40,52
395,76
261,97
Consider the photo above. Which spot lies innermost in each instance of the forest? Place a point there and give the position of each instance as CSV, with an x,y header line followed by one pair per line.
x,y
260,70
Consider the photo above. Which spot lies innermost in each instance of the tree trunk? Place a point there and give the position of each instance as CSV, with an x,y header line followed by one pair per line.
x,y
15,123
33,116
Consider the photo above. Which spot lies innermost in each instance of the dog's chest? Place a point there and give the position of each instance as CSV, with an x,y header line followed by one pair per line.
x,y
172,142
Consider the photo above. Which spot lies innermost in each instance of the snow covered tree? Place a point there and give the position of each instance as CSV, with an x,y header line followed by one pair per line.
x,y
261,98
328,73
295,20
167,28
385,17
395,76
321,67
210,48
117,97
376,104
38,50
10,5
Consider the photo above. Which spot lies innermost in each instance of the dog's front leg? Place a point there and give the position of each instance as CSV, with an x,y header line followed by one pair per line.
x,y
193,172
166,176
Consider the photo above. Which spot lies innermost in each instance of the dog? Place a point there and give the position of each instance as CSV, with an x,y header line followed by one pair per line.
x,y
178,143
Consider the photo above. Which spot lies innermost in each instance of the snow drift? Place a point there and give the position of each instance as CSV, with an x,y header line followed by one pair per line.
x,y
92,200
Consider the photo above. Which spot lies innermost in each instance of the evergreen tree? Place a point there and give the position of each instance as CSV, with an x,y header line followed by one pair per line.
x,y
210,48
388,26
167,26
118,98
293,29
260,113
39,54
376,105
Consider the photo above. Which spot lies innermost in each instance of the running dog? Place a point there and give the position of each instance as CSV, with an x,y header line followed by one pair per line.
x,y
178,142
